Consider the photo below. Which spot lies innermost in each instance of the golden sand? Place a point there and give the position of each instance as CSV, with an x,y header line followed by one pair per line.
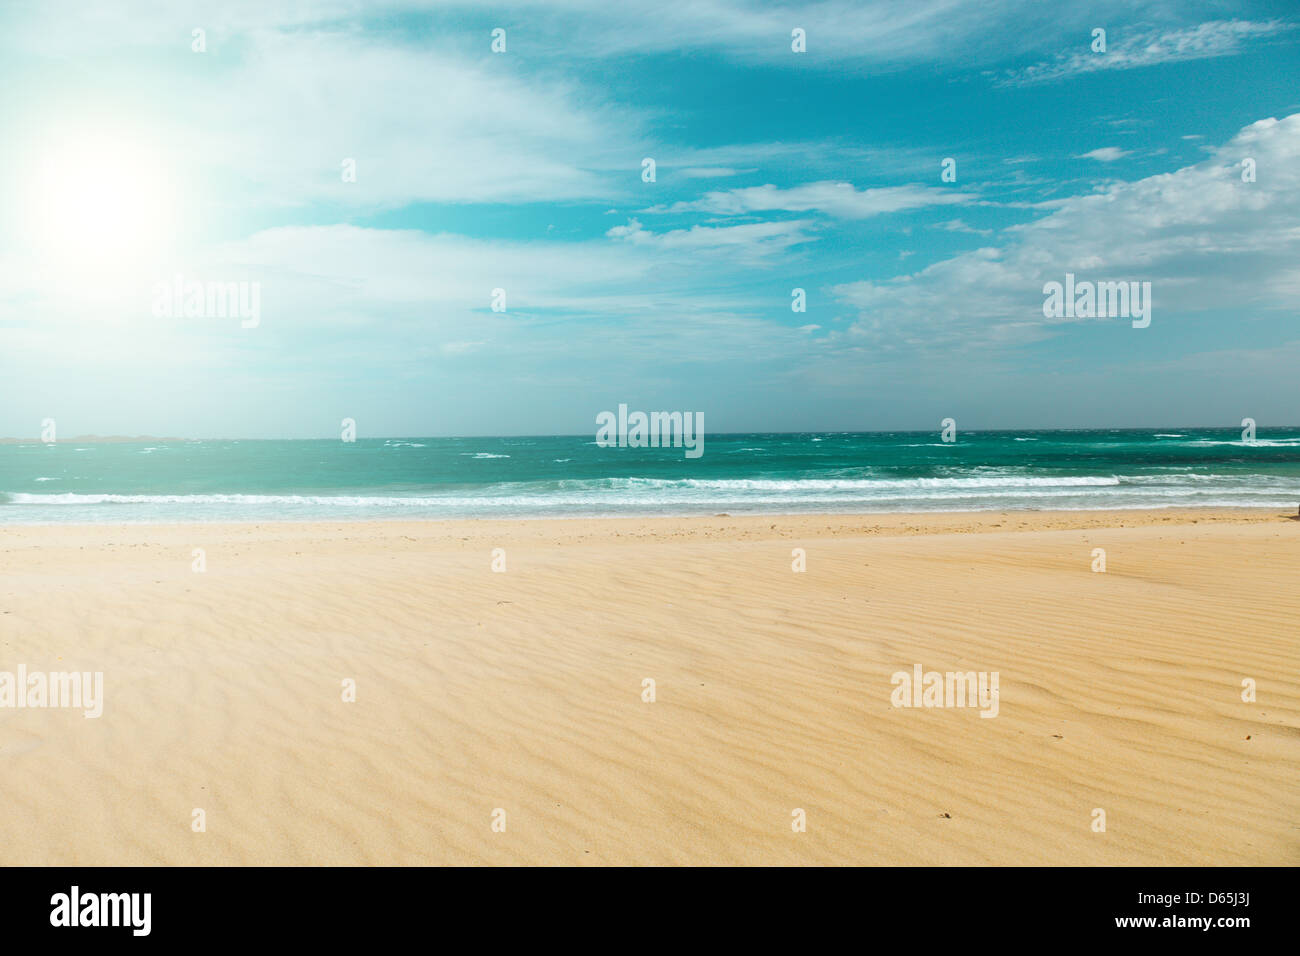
x,y
523,690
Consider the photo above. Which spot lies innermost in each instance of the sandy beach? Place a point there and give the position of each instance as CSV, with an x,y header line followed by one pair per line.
x,y
522,690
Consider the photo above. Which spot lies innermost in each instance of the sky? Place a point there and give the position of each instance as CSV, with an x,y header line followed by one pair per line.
x,y
216,142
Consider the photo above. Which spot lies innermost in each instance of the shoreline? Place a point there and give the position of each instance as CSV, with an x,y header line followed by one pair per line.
x,y
906,522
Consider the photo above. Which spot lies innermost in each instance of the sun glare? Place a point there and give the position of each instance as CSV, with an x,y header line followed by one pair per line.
x,y
99,201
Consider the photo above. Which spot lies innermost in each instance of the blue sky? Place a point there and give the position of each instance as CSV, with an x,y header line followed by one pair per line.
x,y
132,158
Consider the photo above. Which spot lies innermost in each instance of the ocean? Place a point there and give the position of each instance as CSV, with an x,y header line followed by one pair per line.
x,y
571,476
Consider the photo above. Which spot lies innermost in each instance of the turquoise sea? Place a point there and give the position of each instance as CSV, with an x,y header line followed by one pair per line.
x,y
225,480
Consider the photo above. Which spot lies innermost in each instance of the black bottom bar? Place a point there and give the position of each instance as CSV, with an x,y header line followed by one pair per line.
x,y
946,907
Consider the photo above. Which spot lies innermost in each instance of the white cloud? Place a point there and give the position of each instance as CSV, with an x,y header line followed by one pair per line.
x,y
752,241
882,33
837,199
353,294
1106,154
420,126
707,172
269,113
1129,50
960,225
1204,239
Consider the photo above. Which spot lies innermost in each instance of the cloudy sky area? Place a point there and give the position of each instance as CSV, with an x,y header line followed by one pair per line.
x,y
130,159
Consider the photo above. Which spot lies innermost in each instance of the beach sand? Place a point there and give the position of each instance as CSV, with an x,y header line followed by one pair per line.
x,y
522,690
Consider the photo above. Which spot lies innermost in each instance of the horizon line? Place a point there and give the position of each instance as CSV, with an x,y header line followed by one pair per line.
x,y
125,439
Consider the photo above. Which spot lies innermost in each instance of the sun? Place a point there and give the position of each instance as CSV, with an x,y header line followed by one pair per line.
x,y
98,200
